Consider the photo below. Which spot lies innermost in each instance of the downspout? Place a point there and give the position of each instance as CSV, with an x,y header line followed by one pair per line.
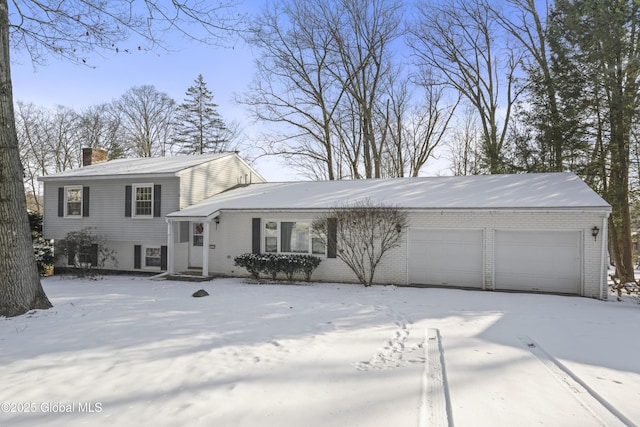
x,y
603,254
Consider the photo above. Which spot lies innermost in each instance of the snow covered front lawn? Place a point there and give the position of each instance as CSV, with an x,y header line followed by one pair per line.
x,y
124,351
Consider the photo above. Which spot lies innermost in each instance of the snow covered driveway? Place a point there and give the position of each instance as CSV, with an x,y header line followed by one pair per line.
x,y
132,351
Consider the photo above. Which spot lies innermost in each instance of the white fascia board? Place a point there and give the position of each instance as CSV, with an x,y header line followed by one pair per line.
x,y
86,178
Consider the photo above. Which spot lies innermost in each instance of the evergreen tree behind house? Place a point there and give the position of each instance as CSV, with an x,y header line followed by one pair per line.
x,y
199,127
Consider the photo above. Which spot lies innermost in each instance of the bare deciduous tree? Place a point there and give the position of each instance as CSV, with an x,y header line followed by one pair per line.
x,y
100,126
416,127
147,117
363,31
365,233
320,77
525,24
31,122
461,39
465,144
63,139
292,86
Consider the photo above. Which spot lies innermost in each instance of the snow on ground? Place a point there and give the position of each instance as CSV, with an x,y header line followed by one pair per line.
x,y
134,351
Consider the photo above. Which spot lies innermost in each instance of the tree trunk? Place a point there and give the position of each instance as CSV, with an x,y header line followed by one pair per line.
x,y
20,287
619,200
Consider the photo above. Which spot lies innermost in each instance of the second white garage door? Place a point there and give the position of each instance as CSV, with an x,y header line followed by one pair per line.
x,y
545,261
446,257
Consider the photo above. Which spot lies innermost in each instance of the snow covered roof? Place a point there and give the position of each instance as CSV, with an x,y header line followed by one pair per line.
x,y
154,166
519,191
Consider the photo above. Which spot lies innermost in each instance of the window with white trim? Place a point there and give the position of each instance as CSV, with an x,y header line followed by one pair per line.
x,y
271,236
292,237
73,201
152,257
143,200
198,234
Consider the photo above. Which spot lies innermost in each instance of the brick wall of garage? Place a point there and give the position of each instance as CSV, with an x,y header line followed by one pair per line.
x,y
233,237
490,221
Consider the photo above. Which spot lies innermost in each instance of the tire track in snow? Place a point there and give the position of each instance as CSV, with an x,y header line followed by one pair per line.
x,y
595,404
435,403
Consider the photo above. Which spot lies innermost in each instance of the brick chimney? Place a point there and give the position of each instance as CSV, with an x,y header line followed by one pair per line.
x,y
92,156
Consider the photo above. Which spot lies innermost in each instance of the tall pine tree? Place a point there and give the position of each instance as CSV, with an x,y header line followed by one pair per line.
x,y
600,41
199,127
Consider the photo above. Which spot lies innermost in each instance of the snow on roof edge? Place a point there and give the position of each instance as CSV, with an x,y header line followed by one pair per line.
x,y
136,167
544,191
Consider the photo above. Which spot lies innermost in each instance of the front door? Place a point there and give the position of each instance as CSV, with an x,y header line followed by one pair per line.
x,y
195,244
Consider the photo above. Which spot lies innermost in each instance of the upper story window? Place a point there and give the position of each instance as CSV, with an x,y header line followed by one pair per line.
x,y
292,237
73,201
143,200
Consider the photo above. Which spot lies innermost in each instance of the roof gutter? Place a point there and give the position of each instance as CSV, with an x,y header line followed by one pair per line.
x,y
605,209
194,218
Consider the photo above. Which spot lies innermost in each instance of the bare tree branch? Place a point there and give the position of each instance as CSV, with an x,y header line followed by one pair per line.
x,y
365,231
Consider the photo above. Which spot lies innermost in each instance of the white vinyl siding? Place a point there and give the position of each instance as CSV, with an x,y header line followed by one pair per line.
x,y
108,212
200,182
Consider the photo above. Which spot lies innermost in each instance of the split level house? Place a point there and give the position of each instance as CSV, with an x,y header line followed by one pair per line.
x,y
523,232
126,201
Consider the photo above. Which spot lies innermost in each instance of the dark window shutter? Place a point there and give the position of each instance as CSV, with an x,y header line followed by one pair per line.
x,y
137,256
332,237
157,197
71,253
61,201
94,255
127,200
255,235
163,257
85,201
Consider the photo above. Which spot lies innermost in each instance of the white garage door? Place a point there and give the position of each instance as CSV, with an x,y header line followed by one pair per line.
x,y
545,261
446,257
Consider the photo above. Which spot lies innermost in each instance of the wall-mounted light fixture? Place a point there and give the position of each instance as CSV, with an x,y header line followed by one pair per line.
x,y
398,228
594,232
217,220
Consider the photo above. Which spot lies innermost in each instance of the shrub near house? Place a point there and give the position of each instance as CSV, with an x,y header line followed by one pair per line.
x,y
43,249
86,252
273,264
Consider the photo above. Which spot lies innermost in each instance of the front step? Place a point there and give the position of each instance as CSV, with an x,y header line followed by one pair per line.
x,y
191,275
188,277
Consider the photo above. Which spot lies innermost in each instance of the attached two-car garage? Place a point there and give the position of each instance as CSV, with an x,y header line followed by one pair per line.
x,y
522,232
523,260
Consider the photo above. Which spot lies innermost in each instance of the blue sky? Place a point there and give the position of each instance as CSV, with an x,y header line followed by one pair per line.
x,y
63,83
227,72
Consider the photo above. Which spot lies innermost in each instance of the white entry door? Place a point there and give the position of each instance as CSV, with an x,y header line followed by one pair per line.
x,y
446,257
545,261
195,244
